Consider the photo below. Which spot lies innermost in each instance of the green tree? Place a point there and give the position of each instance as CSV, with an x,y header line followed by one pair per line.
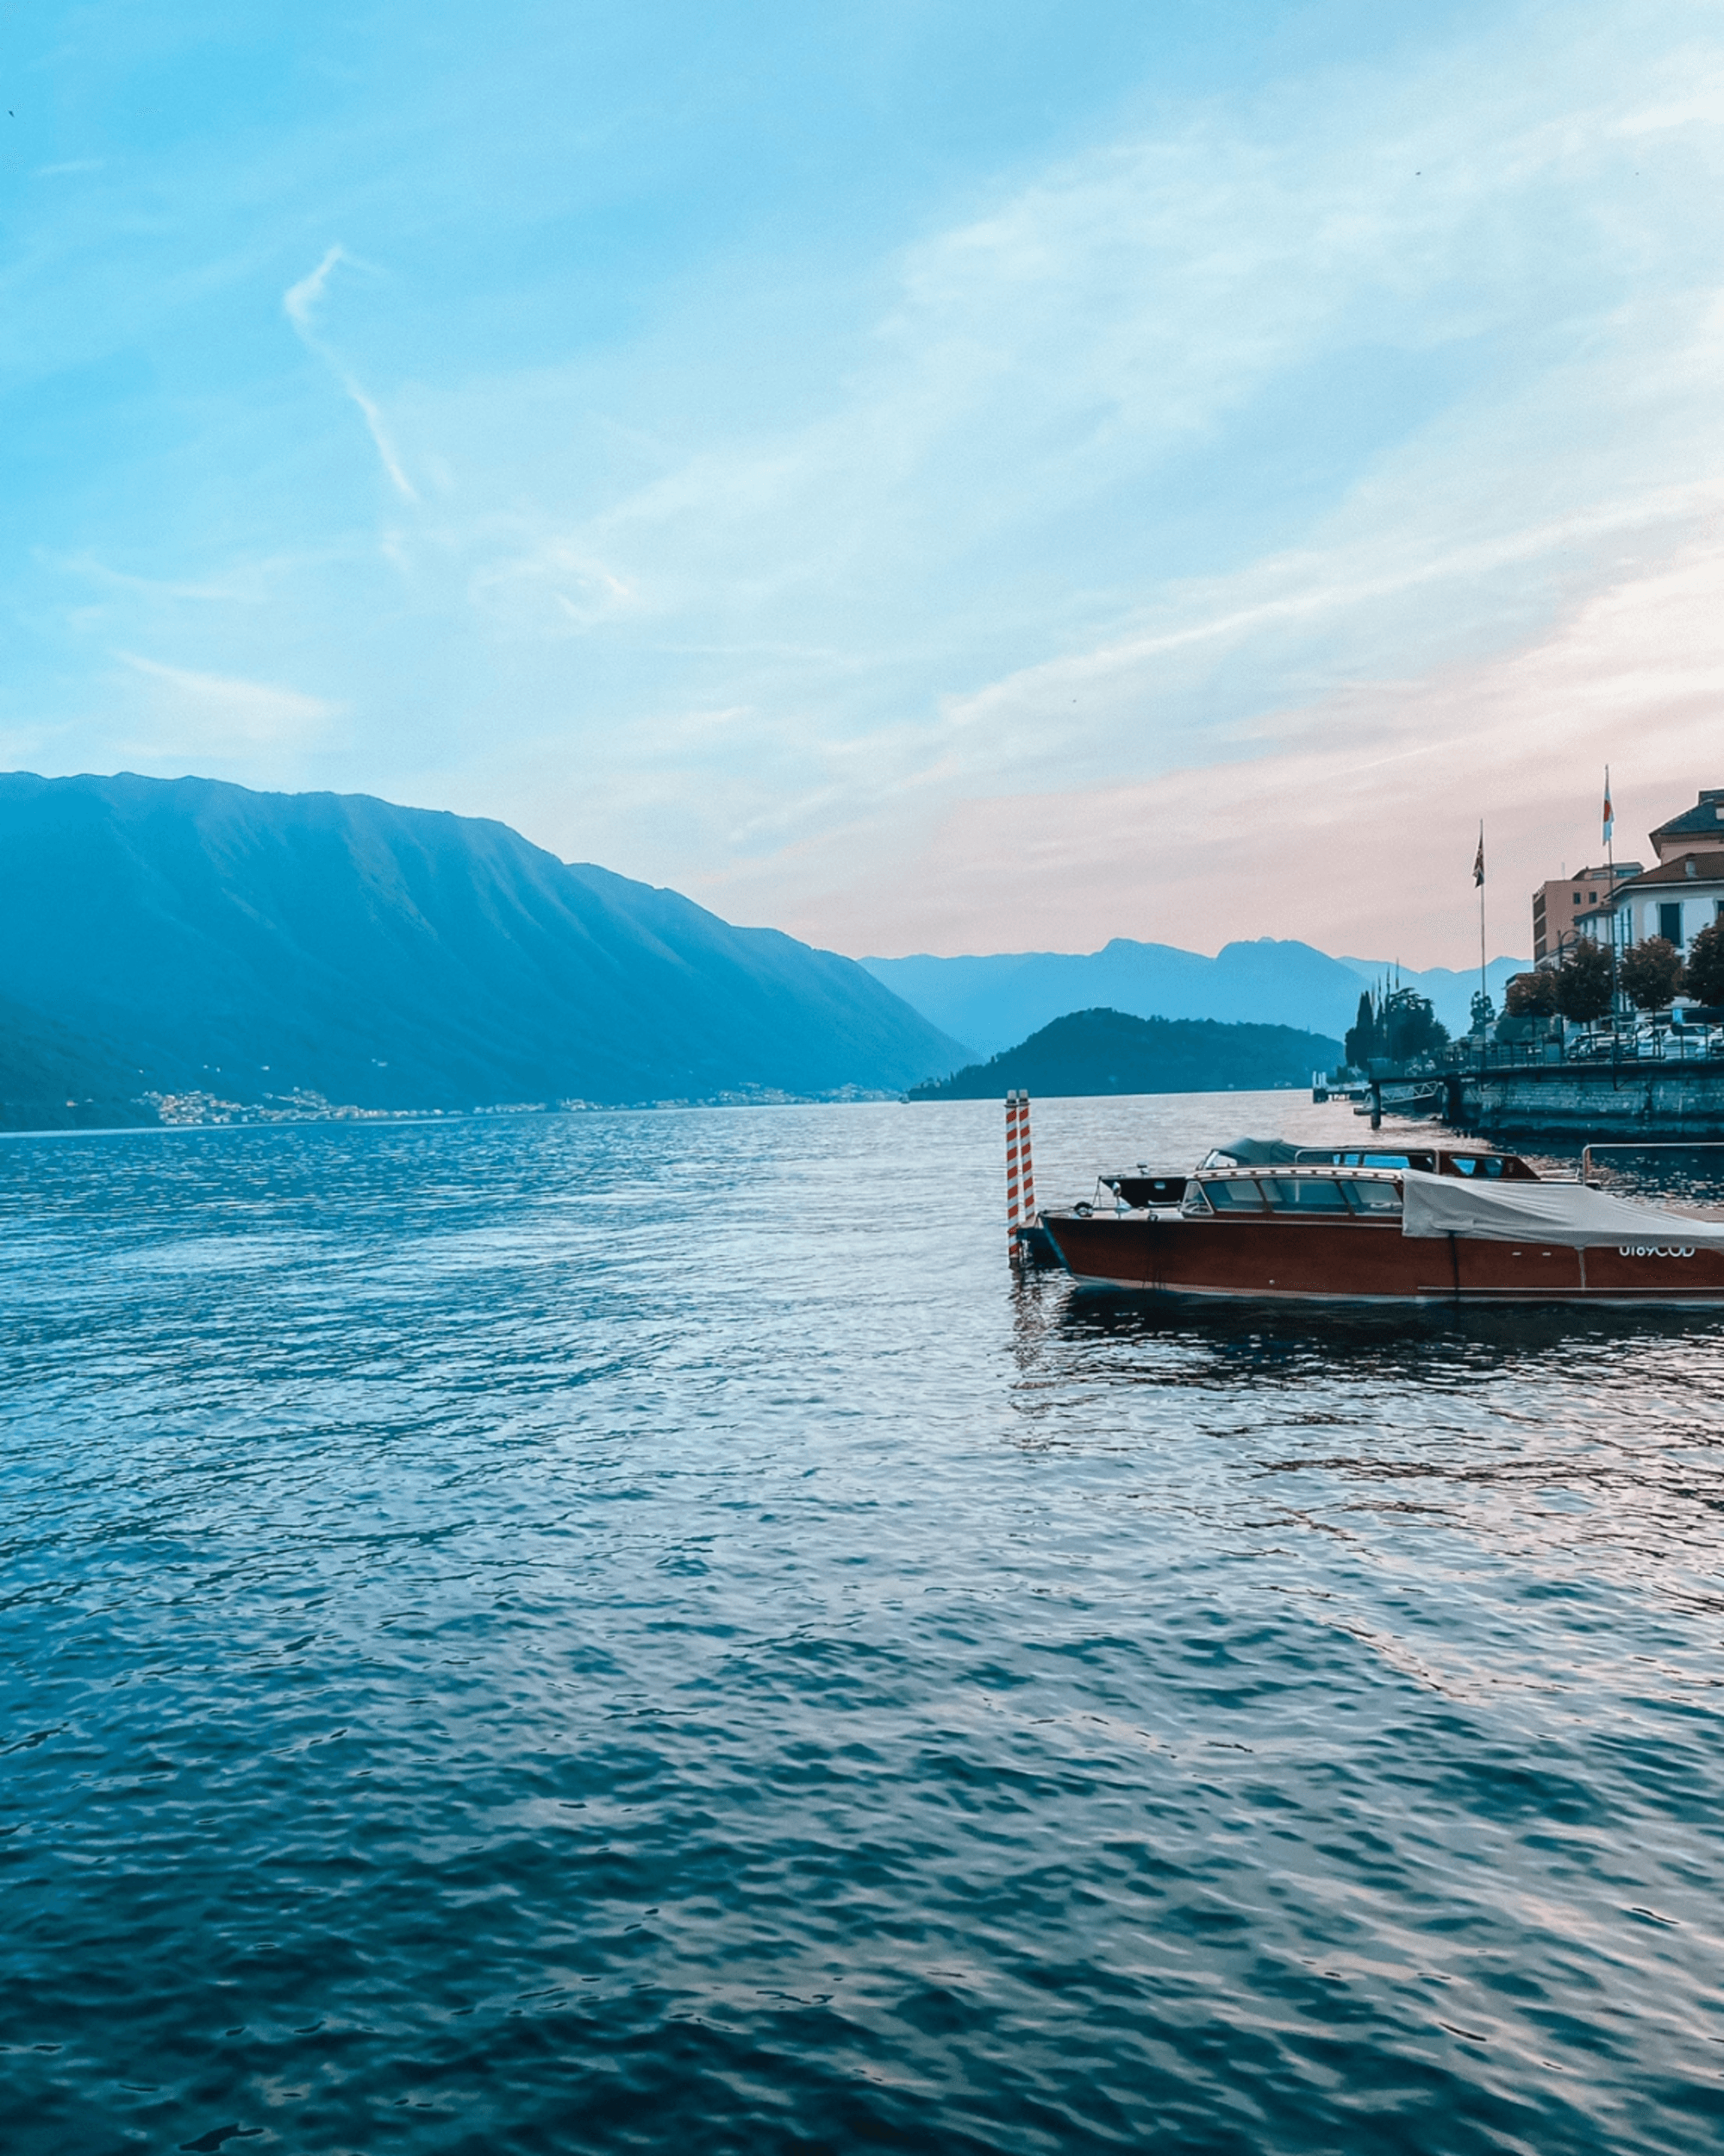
x,y
1410,1028
1583,990
1651,973
1533,994
1360,1044
1703,976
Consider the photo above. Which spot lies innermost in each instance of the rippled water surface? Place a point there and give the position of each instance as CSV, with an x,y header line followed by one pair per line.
x,y
634,1632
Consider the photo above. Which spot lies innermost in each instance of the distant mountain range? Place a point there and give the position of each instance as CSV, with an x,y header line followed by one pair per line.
x,y
170,935
992,1002
187,936
1111,1051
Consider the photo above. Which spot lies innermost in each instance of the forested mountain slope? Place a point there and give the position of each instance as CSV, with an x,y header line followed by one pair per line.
x,y
189,932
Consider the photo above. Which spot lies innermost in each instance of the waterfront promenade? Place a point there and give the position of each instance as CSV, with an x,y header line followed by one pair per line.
x,y
1669,1085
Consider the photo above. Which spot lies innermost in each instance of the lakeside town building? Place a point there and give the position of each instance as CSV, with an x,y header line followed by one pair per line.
x,y
1683,894
1560,906
1696,831
1638,1061
1676,900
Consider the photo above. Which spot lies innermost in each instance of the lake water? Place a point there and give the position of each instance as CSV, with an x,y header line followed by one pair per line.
x,y
635,1632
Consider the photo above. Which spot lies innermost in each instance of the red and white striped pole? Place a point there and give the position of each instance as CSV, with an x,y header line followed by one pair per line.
x,y
1024,1158
1013,1180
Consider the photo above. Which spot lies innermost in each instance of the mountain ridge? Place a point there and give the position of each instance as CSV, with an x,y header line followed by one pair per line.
x,y
192,932
996,1000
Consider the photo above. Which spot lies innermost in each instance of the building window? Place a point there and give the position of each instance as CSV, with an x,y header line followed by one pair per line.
x,y
1577,898
1670,923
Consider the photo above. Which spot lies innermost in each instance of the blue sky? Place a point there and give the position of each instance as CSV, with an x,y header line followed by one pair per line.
x,y
930,477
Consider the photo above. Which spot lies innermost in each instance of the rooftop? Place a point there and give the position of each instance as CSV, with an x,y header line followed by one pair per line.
x,y
1708,868
1706,816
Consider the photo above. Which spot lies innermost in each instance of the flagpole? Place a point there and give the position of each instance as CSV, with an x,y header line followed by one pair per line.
x,y
1483,990
1610,876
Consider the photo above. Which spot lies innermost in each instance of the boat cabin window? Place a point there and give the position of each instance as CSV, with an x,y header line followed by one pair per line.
x,y
1475,1164
1326,1194
1236,1195
1374,1197
1313,1194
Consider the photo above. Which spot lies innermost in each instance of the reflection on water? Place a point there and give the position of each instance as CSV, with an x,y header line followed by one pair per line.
x,y
638,1631
1418,1341
1686,1176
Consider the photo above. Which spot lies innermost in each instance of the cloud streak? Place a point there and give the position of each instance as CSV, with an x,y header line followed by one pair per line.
x,y
223,716
300,302
1350,824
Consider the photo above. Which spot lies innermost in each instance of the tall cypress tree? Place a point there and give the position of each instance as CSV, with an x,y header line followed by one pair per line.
x,y
1360,1044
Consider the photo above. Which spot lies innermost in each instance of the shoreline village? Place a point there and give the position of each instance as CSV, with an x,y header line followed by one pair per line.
x,y
1616,1028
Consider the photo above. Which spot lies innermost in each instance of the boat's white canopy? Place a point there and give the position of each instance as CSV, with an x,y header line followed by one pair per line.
x,y
1568,1213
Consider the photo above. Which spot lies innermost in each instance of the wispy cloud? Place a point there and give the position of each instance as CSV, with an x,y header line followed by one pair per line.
x,y
220,716
301,302
226,590
1350,824
550,589
1109,330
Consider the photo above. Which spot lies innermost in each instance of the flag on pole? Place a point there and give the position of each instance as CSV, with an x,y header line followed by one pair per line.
x,y
1478,859
1609,813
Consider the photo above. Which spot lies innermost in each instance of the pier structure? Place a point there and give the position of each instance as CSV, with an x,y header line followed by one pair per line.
x,y
1598,1088
1650,1098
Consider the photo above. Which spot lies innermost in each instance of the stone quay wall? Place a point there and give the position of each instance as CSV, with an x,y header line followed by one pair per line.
x,y
1648,1100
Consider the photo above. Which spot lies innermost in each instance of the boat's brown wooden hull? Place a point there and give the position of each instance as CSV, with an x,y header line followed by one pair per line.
x,y
1359,1260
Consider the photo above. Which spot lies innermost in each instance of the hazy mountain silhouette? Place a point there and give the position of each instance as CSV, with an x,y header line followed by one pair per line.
x,y
992,1001
186,933
1111,1051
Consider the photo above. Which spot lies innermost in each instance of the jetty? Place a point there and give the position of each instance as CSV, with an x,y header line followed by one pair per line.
x,y
1664,1087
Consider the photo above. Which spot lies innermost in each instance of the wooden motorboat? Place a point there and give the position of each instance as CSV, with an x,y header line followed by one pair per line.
x,y
1436,1226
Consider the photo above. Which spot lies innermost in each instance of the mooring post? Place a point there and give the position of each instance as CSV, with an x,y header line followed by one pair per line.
x,y
1014,1248
1024,1156
1376,1103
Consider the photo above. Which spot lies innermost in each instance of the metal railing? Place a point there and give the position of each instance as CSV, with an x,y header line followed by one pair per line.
x,y
1663,1044
1617,1056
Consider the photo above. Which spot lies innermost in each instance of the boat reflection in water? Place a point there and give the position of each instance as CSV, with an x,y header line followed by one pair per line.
x,y
1266,1221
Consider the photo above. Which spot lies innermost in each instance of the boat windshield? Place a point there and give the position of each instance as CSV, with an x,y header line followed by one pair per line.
x,y
1233,1194
1328,1194
1314,1194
